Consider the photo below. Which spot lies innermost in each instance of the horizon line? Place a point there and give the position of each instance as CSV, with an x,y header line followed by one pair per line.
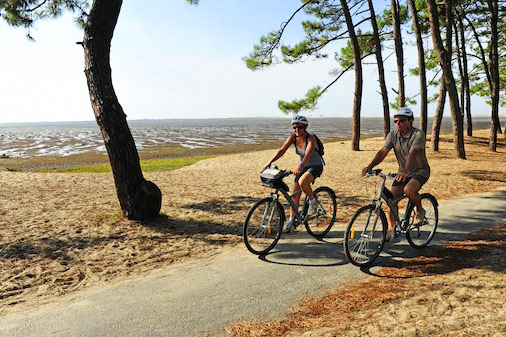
x,y
213,118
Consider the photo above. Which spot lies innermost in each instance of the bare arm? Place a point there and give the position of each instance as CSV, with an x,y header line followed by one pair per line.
x,y
280,152
378,158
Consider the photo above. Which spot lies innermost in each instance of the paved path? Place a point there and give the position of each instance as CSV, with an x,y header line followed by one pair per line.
x,y
191,298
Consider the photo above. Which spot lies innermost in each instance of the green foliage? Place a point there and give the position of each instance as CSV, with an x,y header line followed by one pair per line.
x,y
307,103
366,46
318,34
165,164
384,20
24,13
345,58
433,98
409,101
262,54
423,16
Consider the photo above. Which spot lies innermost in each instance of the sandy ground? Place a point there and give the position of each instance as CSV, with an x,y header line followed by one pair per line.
x,y
62,232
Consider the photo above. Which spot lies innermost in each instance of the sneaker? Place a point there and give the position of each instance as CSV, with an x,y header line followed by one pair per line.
x,y
391,237
419,219
313,205
289,226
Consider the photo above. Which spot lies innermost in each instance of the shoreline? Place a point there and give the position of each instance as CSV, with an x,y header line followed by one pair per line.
x,y
45,163
92,121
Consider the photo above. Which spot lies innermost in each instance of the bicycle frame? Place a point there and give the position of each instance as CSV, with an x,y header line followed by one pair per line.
x,y
289,197
400,224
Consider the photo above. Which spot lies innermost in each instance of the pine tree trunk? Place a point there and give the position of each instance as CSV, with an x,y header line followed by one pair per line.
x,y
138,198
438,117
494,73
421,67
381,71
401,99
445,61
466,78
460,66
495,124
357,103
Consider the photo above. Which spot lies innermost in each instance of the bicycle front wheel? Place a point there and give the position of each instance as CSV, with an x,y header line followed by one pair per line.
x,y
263,225
365,235
322,218
420,236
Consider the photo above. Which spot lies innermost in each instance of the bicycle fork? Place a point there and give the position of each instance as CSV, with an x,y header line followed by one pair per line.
x,y
267,218
376,213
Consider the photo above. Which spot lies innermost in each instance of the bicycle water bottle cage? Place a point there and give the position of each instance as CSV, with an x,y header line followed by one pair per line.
x,y
273,178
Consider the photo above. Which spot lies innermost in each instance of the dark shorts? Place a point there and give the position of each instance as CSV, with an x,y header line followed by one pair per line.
x,y
316,171
417,177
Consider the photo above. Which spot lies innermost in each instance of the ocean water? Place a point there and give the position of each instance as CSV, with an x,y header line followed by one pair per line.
x,y
68,138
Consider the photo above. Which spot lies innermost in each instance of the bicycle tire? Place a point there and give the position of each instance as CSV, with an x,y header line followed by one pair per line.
x,y
259,238
361,250
420,236
319,224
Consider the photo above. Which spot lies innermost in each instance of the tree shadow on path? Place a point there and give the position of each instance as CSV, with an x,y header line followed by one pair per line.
x,y
484,249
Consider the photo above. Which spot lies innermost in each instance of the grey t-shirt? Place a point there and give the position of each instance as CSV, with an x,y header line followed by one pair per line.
x,y
415,139
314,159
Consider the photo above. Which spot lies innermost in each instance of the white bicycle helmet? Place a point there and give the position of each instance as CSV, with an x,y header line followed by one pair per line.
x,y
404,111
300,119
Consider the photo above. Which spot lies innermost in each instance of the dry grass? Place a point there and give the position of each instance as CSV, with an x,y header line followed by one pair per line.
x,y
453,290
62,232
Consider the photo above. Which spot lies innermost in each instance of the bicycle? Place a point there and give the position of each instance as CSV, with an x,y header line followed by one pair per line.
x,y
264,223
364,238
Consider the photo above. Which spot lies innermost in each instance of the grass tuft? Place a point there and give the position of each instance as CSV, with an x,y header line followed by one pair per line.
x,y
164,164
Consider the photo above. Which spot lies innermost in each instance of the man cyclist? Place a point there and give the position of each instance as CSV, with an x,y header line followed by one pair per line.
x,y
310,167
408,143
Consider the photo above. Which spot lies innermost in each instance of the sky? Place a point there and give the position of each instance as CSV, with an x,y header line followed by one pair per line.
x,y
173,60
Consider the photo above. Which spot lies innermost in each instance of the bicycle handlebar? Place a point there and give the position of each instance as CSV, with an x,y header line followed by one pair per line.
x,y
377,172
286,173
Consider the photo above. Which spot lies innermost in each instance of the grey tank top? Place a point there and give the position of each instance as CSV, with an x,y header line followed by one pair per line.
x,y
314,160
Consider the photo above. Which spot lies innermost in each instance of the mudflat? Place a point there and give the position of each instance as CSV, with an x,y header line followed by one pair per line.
x,y
63,232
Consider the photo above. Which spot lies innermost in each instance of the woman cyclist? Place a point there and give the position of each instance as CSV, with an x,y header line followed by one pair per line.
x,y
310,167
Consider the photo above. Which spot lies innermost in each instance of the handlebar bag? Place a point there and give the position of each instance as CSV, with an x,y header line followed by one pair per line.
x,y
273,178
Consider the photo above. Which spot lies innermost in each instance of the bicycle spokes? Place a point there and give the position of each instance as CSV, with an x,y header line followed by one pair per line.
x,y
364,236
262,227
321,216
420,235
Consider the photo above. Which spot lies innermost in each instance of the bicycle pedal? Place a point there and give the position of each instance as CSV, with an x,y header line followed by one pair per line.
x,y
395,239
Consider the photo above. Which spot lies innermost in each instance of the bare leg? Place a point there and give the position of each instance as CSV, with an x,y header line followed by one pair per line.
x,y
296,199
305,183
411,190
397,191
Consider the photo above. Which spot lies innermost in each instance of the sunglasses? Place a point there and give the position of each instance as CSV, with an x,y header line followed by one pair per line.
x,y
400,121
300,127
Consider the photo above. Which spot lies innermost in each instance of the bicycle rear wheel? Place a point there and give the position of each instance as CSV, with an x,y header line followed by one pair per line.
x,y
420,236
320,222
263,225
365,235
